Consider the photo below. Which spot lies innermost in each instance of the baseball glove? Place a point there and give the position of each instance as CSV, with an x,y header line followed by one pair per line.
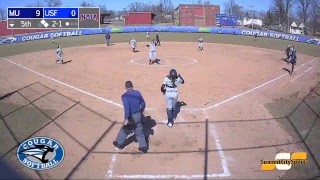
x,y
164,91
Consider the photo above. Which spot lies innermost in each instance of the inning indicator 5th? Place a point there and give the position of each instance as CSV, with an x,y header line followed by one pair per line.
x,y
53,18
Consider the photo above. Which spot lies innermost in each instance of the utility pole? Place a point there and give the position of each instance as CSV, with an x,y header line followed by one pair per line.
x,y
251,7
288,20
204,15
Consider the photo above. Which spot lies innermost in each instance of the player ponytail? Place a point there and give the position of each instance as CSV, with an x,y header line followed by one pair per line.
x,y
173,76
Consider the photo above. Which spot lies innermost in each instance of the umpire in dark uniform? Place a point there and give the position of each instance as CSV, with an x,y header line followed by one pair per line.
x,y
134,105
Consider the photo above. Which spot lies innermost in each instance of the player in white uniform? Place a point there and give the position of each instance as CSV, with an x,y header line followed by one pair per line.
x,y
200,44
59,54
170,89
152,52
133,44
148,35
53,38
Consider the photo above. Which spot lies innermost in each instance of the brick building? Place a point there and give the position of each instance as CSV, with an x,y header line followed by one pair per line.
x,y
196,15
138,18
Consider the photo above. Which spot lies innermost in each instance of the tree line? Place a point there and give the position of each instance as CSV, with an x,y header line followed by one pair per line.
x,y
282,12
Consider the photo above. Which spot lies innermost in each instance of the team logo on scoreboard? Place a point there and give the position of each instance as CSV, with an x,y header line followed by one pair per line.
x,y
85,17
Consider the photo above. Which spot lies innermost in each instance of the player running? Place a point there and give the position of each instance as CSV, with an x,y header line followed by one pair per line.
x,y
200,44
133,44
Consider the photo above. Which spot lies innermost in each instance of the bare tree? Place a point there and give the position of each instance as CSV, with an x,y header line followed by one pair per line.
x,y
86,4
303,10
53,3
138,7
38,3
207,2
230,6
199,2
288,8
166,5
278,8
3,14
269,18
314,15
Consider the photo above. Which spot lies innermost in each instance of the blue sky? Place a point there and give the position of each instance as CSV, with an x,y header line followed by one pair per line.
x,y
120,4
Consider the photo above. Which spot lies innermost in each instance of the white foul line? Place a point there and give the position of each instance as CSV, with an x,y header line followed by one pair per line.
x,y
301,74
113,162
255,88
223,159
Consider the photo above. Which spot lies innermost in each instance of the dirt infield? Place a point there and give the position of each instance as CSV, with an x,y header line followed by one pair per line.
x,y
237,111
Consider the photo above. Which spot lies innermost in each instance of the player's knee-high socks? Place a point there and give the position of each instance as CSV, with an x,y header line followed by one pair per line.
x,y
170,114
292,68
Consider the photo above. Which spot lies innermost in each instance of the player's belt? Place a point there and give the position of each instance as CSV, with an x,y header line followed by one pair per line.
x,y
171,86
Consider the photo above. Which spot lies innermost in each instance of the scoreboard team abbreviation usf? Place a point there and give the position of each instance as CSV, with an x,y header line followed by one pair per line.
x,y
52,12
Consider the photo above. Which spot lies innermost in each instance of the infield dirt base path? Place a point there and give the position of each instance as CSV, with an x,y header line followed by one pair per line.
x,y
222,84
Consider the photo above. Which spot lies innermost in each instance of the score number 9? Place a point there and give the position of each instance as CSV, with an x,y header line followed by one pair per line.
x,y
73,13
38,13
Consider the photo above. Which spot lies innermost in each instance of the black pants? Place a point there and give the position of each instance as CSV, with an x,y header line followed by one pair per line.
x,y
158,42
293,64
288,56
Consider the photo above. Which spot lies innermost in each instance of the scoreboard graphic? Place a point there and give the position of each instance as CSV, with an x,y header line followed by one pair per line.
x,y
53,18
226,20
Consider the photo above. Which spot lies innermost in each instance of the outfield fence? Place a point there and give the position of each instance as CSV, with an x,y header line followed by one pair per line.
x,y
171,29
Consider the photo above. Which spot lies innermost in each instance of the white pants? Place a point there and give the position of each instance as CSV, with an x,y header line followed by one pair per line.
x,y
133,46
59,57
200,45
171,99
147,36
152,54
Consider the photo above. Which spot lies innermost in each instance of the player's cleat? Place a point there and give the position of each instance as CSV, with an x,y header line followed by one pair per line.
x,y
62,62
57,60
169,124
116,144
144,149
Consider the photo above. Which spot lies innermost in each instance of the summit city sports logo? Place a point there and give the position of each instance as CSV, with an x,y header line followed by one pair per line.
x,y
85,17
284,161
40,153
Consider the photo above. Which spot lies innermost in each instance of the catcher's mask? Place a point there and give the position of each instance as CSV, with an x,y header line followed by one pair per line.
x,y
173,74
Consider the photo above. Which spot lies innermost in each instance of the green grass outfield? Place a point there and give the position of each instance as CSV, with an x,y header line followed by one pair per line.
x,y
46,44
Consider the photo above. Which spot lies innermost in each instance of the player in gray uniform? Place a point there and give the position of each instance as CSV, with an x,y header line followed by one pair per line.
x,y
133,44
152,52
148,35
52,38
170,89
200,44
59,54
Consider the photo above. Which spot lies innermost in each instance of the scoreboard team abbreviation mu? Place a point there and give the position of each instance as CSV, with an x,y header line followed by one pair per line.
x,y
53,18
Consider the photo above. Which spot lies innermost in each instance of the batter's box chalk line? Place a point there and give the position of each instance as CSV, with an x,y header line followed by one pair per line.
x,y
193,61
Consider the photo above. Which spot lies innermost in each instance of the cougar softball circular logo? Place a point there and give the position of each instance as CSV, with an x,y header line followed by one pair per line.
x,y
40,153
